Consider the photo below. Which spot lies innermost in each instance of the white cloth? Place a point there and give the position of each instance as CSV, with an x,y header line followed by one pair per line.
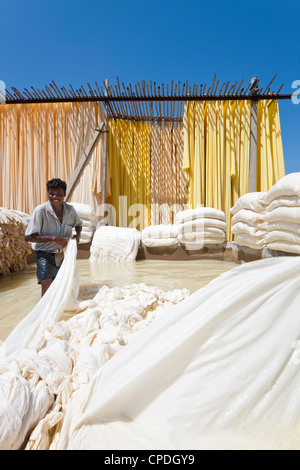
x,y
253,201
160,242
115,244
160,231
218,369
63,290
199,213
289,185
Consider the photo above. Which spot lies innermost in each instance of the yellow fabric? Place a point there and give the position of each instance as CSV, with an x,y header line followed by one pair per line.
x,y
130,172
168,185
270,159
43,141
217,149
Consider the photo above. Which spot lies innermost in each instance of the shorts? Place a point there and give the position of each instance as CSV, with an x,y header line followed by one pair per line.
x,y
46,267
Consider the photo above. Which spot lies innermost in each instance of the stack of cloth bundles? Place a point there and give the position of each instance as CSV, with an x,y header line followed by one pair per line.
x,y
13,248
248,221
160,236
201,227
89,221
282,217
115,244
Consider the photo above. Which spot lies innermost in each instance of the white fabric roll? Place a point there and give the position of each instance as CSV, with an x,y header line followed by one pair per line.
x,y
199,213
159,242
253,201
289,185
201,225
249,217
255,242
160,231
284,214
285,201
115,244
285,246
242,227
282,236
279,225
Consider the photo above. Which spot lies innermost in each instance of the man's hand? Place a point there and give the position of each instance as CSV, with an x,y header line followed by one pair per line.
x,y
62,241
77,238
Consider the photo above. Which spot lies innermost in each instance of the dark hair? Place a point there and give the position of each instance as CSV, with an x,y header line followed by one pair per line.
x,y
57,183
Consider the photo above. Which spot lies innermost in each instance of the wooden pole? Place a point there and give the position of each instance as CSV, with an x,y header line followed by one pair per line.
x,y
84,160
253,149
104,161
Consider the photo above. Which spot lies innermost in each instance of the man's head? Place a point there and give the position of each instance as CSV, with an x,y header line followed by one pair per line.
x,y
57,183
56,191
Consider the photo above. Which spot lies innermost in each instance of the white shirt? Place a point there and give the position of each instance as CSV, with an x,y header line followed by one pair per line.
x,y
44,221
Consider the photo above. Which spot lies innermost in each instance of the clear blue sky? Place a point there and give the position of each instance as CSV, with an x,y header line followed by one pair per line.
x,y
87,41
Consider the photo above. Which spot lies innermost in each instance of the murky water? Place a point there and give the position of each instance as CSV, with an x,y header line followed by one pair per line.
x,y
20,292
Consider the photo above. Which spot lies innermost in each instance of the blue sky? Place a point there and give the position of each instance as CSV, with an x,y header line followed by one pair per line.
x,y
87,41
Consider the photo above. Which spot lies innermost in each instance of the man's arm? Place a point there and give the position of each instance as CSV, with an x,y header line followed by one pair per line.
x,y
36,238
78,230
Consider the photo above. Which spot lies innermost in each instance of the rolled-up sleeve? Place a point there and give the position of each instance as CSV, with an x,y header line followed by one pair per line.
x,y
35,223
77,220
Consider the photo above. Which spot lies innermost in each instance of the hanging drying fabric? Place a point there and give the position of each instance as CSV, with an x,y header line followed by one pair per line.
x,y
39,142
217,148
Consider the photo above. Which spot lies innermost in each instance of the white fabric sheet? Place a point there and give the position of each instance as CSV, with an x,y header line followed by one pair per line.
x,y
62,292
218,370
115,244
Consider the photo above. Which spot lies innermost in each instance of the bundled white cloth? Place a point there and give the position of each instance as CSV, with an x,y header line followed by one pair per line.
x,y
26,396
39,377
89,221
160,236
115,244
288,186
248,222
283,215
223,366
200,227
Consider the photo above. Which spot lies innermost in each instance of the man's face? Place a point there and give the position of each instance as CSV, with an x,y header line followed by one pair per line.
x,y
56,196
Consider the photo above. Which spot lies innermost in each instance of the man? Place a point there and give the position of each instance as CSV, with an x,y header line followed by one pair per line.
x,y
50,229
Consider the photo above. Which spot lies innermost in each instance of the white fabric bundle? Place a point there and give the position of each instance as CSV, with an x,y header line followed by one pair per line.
x,y
13,248
288,186
38,381
160,236
200,227
223,366
283,215
253,201
26,380
248,221
89,221
115,244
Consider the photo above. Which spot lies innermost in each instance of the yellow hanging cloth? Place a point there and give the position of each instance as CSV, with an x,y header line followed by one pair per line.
x,y
130,173
216,138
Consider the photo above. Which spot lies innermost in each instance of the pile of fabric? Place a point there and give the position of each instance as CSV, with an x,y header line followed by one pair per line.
x,y
54,359
13,248
89,221
160,236
201,227
283,215
248,221
115,244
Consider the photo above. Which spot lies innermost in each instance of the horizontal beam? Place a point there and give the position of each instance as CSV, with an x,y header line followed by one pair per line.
x,y
148,98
